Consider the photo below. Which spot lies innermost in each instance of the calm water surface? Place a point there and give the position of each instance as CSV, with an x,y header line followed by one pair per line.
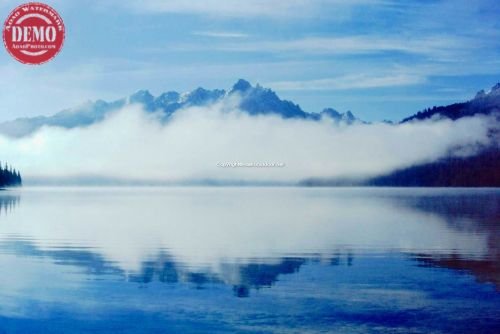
x,y
249,260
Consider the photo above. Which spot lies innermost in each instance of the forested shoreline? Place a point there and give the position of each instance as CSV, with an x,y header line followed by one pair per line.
x,y
9,177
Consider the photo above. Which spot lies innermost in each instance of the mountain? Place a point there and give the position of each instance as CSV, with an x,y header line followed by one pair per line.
x,y
478,170
87,114
481,169
254,100
483,103
347,117
258,100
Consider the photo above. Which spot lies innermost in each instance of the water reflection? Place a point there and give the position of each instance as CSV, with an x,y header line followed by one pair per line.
x,y
259,273
301,259
8,202
477,214
247,238
242,277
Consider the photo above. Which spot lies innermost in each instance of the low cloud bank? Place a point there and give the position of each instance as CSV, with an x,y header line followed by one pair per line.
x,y
135,146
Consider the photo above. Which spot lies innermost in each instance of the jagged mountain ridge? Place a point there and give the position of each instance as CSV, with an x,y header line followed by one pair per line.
x,y
481,169
255,100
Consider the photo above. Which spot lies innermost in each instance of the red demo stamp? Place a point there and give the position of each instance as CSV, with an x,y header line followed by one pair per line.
x,y
33,33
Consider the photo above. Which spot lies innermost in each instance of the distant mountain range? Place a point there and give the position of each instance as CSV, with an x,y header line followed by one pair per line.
x,y
255,100
482,169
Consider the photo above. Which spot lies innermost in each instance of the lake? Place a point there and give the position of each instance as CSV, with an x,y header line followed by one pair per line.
x,y
249,260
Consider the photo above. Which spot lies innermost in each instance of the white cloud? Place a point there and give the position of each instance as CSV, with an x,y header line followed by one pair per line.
x,y
439,47
134,145
351,81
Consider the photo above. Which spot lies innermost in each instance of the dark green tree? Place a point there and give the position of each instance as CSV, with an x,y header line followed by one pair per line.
x,y
9,177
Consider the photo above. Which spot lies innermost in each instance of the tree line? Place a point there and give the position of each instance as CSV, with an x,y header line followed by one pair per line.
x,y
9,176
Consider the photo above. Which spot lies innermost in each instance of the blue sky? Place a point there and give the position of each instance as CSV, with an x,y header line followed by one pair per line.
x,y
381,59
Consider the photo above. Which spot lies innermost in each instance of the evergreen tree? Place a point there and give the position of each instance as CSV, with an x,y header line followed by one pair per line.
x,y
9,177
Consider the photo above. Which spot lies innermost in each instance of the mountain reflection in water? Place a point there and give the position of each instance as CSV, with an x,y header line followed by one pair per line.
x,y
472,214
405,254
464,212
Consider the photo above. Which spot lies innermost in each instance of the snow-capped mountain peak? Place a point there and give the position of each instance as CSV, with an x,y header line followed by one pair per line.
x,y
254,100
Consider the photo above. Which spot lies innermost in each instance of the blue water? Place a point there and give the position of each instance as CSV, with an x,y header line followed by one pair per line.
x,y
249,260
